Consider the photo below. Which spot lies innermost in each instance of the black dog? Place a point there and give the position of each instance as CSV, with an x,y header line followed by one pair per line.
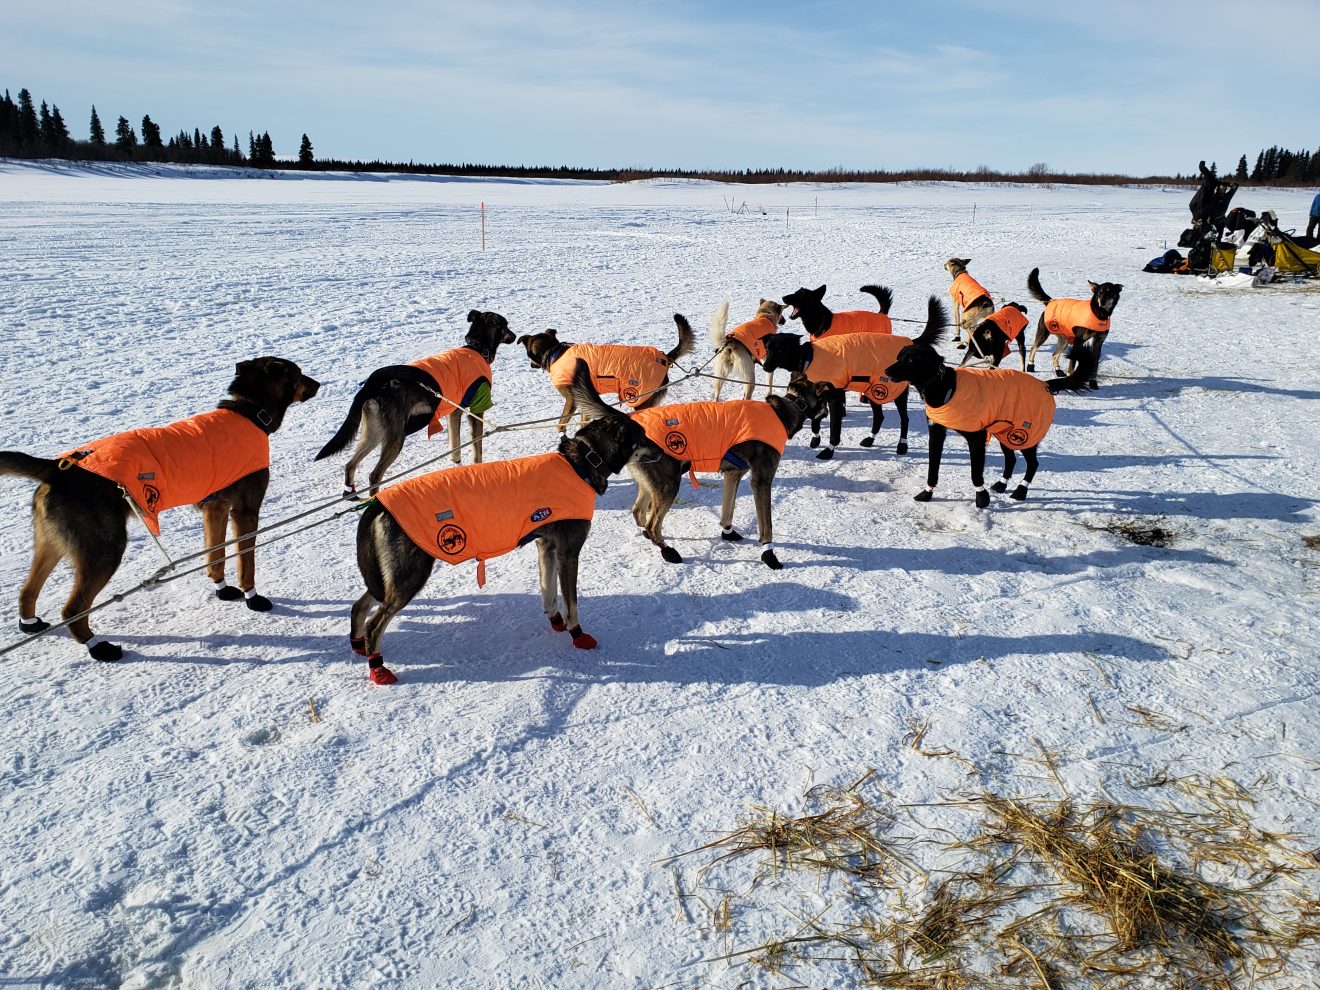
x,y
400,399
839,364
395,565
1081,323
80,513
991,340
1014,407
818,320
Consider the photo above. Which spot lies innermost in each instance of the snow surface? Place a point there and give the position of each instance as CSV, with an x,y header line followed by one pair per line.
x,y
498,818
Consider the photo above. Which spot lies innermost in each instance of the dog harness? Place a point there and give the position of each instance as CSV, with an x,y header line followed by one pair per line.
x,y
752,335
965,290
857,362
460,371
485,510
1014,407
1062,315
857,321
629,371
163,467
703,433
1012,321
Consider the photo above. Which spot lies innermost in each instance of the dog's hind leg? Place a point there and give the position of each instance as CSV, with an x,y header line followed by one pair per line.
x,y
1022,349
404,578
935,435
567,414
877,420
547,559
1042,335
723,361
93,566
390,448
761,482
357,625
453,421
46,553
573,533
477,427
746,372
732,478
976,451
370,435
836,407
215,518
901,404
1028,455
663,491
1010,461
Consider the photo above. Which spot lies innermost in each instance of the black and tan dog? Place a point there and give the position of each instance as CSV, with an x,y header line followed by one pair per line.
x,y
481,511
838,364
1012,406
1081,325
638,375
993,339
217,460
819,320
732,438
970,297
740,350
399,400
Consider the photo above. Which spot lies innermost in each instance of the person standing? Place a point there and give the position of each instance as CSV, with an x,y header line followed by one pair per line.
x,y
1313,225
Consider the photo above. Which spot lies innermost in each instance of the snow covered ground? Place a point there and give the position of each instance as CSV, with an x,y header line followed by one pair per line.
x,y
233,805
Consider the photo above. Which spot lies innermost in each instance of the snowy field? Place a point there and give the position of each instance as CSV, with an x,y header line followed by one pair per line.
x,y
235,806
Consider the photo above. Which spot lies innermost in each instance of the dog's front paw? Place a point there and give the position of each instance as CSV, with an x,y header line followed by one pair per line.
x,y
106,652
826,454
379,673
228,593
583,641
770,560
924,495
730,534
902,446
1019,493
671,555
983,499
557,623
32,626
358,644
815,442
258,603
999,486
1031,367
868,441
1093,385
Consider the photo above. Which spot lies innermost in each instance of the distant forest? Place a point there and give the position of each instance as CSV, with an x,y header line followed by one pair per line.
x,y
29,131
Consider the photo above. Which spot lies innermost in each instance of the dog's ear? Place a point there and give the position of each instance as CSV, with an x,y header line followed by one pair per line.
x,y
1094,287
524,339
552,332
819,294
268,367
1118,286
762,302
474,315
585,395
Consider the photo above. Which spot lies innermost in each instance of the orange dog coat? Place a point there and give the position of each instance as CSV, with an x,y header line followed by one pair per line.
x,y
457,372
485,510
857,321
857,362
965,290
629,371
752,335
703,432
1012,321
180,464
1061,315
1015,408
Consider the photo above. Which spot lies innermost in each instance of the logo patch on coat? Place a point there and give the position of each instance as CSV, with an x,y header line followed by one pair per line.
x,y
628,394
1016,437
878,392
540,515
152,494
451,540
675,442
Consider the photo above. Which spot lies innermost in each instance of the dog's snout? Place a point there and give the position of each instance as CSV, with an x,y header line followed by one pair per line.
x,y
307,388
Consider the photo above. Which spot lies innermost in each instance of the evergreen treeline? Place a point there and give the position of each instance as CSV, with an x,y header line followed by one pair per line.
x,y
29,132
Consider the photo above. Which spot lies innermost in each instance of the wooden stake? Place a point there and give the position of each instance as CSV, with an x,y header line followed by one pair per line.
x,y
483,225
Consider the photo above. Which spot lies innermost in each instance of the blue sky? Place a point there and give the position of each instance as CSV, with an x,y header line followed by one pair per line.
x,y
1118,86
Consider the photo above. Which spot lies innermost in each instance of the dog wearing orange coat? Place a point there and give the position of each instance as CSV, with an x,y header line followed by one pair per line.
x,y
1015,408
738,352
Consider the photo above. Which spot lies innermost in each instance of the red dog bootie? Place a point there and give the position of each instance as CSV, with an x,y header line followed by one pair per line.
x,y
358,644
557,623
379,673
583,641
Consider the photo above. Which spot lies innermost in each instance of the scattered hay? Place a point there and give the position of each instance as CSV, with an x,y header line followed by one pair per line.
x,y
1311,542
1039,894
1144,533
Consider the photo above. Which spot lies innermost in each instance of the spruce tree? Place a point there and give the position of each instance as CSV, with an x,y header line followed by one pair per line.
x,y
45,127
305,158
265,151
98,132
1241,174
29,131
217,139
60,128
151,133
125,136
1258,173
236,154
252,149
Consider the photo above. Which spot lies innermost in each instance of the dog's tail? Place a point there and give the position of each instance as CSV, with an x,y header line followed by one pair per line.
x,y
1087,363
687,340
26,466
937,321
883,295
1033,286
349,428
719,324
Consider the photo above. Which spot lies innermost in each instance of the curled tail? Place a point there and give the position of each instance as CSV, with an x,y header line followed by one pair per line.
x,y
349,428
1033,286
26,466
937,321
883,295
719,324
687,340
1088,360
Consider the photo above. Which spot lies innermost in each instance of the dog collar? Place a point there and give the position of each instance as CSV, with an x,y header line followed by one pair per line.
x,y
555,355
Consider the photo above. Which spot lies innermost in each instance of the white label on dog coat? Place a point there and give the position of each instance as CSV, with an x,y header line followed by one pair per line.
x,y
540,514
442,516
